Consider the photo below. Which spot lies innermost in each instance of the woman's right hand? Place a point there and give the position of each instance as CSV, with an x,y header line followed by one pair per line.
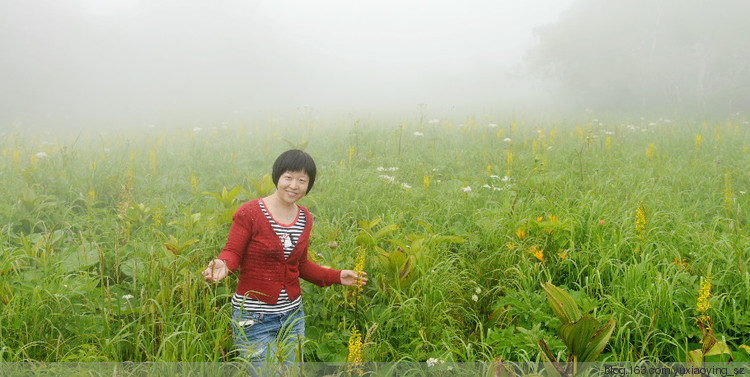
x,y
216,271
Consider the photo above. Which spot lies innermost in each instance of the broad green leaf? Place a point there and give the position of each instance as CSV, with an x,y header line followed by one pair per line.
x,y
385,230
577,335
548,359
374,222
598,342
694,356
86,256
562,304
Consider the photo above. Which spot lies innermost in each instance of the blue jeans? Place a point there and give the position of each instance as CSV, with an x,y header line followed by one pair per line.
x,y
261,337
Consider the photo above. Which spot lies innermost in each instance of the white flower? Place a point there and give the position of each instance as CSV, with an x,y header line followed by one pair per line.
x,y
494,176
380,168
475,297
466,189
388,177
127,297
197,129
486,186
433,121
550,147
478,290
492,125
742,192
506,179
405,186
507,140
106,150
150,126
431,362
41,155
417,133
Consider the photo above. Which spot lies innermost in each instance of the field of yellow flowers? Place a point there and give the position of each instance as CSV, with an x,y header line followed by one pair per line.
x,y
456,221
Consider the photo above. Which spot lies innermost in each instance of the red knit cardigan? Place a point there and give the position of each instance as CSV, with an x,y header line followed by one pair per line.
x,y
254,247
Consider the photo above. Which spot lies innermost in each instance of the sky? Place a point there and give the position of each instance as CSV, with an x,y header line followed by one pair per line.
x,y
129,62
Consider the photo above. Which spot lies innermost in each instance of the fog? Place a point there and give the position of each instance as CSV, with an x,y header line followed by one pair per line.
x,y
122,63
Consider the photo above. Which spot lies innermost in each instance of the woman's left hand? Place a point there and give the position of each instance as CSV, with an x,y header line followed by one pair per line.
x,y
352,278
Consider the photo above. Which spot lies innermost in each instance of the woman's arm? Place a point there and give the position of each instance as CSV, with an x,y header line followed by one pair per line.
x,y
231,255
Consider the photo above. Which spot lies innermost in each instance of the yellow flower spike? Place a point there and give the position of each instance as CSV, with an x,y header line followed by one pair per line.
x,y
355,350
193,183
608,142
640,222
698,141
650,150
426,180
702,305
510,159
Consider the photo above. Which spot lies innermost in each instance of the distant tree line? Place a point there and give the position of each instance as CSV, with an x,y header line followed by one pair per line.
x,y
627,55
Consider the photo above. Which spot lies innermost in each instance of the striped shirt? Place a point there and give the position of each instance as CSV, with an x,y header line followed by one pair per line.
x,y
288,235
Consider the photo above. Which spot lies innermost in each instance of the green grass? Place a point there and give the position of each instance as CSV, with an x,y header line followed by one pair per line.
x,y
85,227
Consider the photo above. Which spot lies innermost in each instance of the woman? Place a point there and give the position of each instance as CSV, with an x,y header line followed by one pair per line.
x,y
268,242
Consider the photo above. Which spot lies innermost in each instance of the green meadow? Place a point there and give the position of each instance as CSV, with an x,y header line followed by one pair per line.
x,y
457,222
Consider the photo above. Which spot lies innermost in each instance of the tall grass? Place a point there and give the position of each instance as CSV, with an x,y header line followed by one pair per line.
x,y
104,235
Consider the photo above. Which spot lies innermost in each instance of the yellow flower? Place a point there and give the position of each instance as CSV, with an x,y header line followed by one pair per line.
x,y
520,233
355,347
552,218
563,254
650,150
640,221
193,182
703,293
537,253
426,180
510,159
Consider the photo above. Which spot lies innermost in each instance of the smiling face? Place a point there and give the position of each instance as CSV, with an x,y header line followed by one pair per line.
x,y
292,186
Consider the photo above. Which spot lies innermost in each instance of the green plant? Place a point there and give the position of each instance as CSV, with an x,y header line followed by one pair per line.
x,y
584,337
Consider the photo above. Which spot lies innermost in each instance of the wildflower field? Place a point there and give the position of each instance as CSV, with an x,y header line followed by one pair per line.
x,y
458,222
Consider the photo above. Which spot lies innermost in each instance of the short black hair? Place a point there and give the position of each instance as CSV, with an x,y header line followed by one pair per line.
x,y
294,160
